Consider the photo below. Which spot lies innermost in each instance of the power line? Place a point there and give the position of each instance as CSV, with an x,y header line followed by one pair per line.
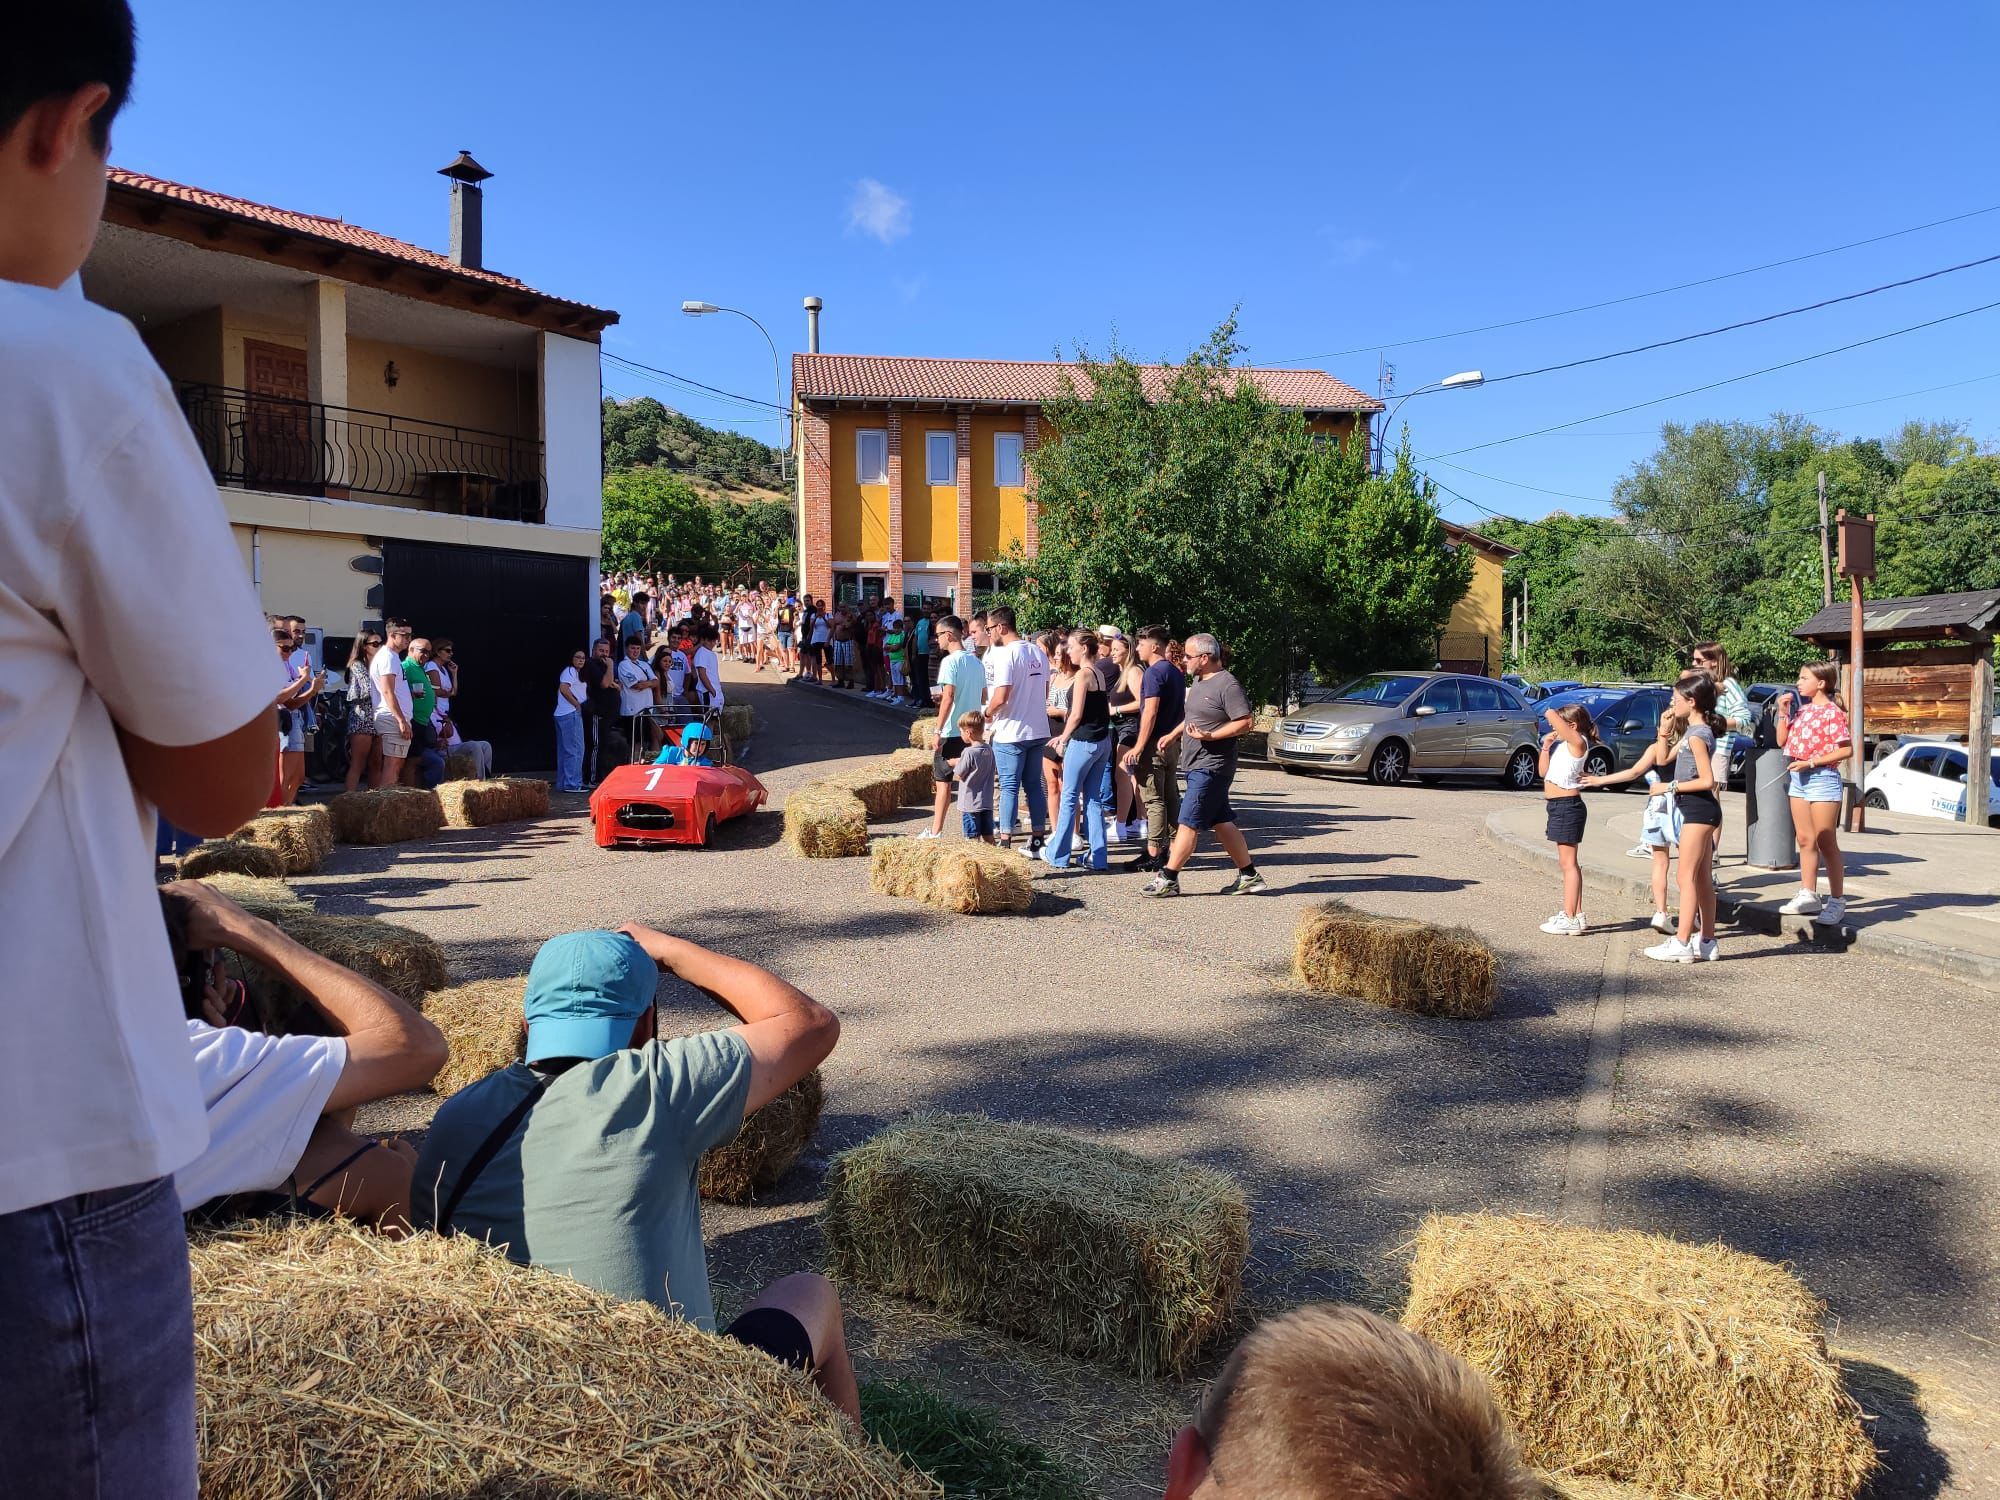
x,y
1730,380
1683,286
685,380
1746,323
1900,395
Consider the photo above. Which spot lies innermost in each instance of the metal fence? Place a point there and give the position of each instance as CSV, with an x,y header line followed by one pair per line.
x,y
304,447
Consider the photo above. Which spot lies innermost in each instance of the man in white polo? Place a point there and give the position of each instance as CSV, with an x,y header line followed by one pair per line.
x,y
394,726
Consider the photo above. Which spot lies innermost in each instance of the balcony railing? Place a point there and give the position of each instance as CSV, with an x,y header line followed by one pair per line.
x,y
305,448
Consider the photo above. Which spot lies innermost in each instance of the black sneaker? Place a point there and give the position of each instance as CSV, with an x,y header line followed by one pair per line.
x,y
1162,884
1035,847
1145,864
1245,882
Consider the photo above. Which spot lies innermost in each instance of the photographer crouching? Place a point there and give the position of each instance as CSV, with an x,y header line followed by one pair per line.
x,y
281,1106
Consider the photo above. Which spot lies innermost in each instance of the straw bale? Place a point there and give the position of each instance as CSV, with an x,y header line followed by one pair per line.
x,y
826,822
1091,1250
405,962
923,734
386,815
460,765
955,875
481,1022
1686,1369
340,1363
879,786
919,786
260,897
302,835
767,1145
738,722
480,804
1395,961
231,856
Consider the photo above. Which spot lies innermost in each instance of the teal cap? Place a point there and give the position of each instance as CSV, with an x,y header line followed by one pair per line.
x,y
585,992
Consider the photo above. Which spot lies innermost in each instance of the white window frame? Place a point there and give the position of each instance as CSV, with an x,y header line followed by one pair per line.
x,y
861,474
932,437
1020,442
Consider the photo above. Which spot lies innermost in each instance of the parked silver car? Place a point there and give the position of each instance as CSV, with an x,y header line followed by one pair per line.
x,y
1391,725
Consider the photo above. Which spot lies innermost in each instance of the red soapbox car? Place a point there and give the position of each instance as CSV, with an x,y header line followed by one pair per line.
x,y
644,803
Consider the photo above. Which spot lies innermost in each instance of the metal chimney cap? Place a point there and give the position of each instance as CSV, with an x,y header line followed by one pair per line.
x,y
813,304
464,169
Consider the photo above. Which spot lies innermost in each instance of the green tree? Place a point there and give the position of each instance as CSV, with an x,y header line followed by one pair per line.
x,y
654,520
642,432
1565,634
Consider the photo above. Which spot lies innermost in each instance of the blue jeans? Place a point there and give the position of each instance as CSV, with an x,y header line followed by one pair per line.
x,y
1018,765
569,753
1086,776
97,1318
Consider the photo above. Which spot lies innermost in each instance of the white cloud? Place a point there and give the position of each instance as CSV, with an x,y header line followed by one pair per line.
x,y
878,211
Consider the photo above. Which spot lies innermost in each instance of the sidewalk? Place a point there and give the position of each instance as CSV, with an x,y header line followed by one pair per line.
x,y
857,698
1922,889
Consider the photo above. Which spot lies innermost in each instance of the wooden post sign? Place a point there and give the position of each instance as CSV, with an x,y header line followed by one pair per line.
x,y
1857,561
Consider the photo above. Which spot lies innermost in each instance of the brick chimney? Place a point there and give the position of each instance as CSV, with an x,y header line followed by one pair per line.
x,y
467,226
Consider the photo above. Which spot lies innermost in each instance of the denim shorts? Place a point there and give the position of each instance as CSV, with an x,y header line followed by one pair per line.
x,y
1205,802
1822,785
1567,815
977,825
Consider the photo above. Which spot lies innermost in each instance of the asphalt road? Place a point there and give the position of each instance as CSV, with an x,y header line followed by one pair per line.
x,y
1837,1111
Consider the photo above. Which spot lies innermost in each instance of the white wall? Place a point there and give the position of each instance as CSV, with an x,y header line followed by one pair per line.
x,y
572,426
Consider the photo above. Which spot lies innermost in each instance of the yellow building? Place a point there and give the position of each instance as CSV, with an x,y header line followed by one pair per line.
x,y
394,431
1475,637
913,474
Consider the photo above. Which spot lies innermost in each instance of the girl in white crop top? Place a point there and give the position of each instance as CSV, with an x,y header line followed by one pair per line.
x,y
1564,748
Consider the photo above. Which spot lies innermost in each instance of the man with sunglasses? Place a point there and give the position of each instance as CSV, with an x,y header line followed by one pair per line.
x,y
1215,715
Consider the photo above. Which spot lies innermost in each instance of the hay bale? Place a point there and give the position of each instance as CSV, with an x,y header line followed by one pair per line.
x,y
481,1022
231,856
919,786
260,897
303,836
460,765
953,875
825,822
1685,1369
1395,961
738,723
1091,1250
480,804
767,1145
879,786
405,962
923,734
386,815
340,1363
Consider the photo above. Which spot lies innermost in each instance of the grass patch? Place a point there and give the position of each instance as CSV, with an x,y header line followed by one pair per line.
x,y
964,1448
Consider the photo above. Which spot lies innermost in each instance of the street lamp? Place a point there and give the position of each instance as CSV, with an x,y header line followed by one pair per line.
x,y
1464,380
701,309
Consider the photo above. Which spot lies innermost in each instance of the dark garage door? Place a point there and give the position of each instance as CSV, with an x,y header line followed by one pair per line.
x,y
514,617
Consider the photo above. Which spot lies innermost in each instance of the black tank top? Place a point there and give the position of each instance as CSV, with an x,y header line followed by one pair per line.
x,y
1096,721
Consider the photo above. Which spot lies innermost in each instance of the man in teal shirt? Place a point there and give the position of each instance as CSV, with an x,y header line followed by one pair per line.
x,y
583,1157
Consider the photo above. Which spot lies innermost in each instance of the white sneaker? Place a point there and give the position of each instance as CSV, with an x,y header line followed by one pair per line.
x,y
930,833
1663,923
1706,952
1830,914
1805,903
1672,951
1561,925
1640,851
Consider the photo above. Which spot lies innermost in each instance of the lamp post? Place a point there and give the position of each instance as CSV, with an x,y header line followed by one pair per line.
x,y
1464,380
701,309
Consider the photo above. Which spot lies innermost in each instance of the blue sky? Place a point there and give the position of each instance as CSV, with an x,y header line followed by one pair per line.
x,y
980,181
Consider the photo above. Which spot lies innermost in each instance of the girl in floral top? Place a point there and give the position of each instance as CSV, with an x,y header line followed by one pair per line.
x,y
1816,740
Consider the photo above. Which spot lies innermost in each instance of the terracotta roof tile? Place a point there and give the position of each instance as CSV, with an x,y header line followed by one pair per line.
x,y
317,226
896,378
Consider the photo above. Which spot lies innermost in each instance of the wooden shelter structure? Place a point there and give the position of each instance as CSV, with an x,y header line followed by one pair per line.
x,y
1927,669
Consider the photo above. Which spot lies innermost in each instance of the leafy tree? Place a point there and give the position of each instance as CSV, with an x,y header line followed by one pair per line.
x,y
644,432
654,520
1565,635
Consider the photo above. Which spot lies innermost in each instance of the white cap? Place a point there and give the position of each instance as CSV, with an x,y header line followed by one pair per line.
x,y
1110,633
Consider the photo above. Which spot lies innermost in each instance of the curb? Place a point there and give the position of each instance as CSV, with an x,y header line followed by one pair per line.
x,y
1955,962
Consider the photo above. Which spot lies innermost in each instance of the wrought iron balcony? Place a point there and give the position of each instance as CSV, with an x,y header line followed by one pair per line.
x,y
305,448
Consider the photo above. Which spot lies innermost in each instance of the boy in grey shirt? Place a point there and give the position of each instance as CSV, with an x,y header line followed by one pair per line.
x,y
974,771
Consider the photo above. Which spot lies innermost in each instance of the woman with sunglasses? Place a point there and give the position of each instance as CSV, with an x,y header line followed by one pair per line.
x,y
361,707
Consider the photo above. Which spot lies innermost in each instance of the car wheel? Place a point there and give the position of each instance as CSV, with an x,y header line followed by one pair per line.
x,y
1600,762
1390,765
1524,769
708,833
1877,801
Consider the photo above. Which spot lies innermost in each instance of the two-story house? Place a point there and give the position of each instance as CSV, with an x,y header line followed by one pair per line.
x,y
913,476
394,431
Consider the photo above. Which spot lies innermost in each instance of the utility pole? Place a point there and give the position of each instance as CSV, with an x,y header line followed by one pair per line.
x,y
1517,632
1521,607
1825,548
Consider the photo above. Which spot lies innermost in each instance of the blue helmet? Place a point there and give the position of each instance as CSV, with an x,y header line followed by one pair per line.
x,y
694,732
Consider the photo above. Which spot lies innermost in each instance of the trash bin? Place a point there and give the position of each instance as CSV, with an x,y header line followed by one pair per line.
x,y
1772,845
